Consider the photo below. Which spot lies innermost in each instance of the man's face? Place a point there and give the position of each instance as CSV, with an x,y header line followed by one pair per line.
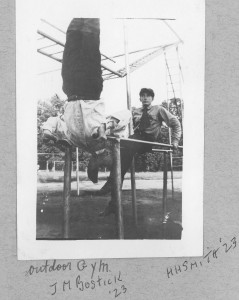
x,y
146,99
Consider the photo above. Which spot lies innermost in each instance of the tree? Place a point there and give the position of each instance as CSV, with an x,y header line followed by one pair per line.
x,y
176,108
46,109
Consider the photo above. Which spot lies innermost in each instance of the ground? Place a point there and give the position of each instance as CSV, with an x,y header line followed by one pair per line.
x,y
85,222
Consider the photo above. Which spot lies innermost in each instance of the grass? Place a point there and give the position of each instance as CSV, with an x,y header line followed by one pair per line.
x,y
58,176
84,217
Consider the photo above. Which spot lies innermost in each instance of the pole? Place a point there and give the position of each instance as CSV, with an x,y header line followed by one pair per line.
x,y
77,171
169,130
165,181
171,165
66,192
116,191
171,168
181,41
127,71
132,168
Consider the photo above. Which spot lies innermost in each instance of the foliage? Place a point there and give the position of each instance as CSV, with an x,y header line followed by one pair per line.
x,y
176,108
46,109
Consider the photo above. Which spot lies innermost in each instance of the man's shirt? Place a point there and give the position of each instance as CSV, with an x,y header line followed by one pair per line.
x,y
157,115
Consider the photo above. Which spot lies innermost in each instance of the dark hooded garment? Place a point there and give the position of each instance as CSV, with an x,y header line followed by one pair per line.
x,y
81,69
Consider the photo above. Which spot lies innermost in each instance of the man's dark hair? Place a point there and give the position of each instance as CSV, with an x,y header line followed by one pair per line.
x,y
149,92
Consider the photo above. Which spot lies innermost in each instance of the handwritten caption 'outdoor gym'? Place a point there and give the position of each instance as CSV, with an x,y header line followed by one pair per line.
x,y
209,257
98,276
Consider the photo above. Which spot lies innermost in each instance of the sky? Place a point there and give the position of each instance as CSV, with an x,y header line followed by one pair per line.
x,y
142,33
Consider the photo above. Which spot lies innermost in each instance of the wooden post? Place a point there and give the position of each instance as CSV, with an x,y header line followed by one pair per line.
x,y
165,181
132,169
66,192
171,168
133,187
116,191
77,171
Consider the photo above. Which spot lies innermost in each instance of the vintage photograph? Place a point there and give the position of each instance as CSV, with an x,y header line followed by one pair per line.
x,y
112,117
119,86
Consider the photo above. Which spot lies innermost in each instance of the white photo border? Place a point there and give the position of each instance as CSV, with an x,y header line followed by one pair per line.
x,y
191,244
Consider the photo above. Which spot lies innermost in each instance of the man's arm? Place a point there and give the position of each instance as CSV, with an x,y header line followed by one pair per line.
x,y
173,123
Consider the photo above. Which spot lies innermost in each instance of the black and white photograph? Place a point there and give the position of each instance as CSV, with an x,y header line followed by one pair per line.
x,y
110,130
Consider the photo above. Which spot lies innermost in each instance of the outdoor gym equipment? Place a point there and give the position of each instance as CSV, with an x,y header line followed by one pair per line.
x,y
116,191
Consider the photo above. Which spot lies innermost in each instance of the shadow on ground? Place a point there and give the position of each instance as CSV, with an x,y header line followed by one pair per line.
x,y
85,222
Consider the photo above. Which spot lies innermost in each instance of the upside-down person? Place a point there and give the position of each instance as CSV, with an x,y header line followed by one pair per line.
x,y
84,123
55,129
147,121
82,80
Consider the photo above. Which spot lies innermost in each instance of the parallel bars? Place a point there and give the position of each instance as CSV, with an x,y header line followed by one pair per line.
x,y
116,184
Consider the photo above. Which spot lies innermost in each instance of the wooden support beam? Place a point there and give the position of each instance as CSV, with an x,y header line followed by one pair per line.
x,y
171,169
165,182
116,191
128,89
77,171
66,192
133,190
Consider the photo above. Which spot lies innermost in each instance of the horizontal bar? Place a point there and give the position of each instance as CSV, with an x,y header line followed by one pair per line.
x,y
63,45
60,60
162,150
111,77
162,19
48,46
48,153
56,53
136,51
143,142
49,55
50,38
108,57
53,26
172,30
112,71
65,33
107,74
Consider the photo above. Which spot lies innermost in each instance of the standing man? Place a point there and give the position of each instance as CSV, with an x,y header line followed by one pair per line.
x,y
147,122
